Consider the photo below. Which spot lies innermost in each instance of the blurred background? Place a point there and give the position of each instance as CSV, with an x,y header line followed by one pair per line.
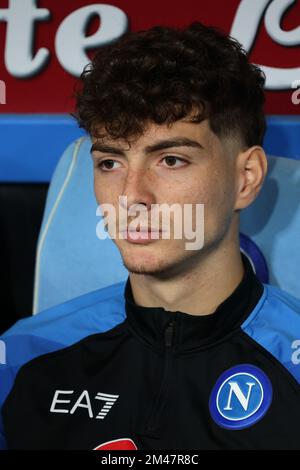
x,y
44,45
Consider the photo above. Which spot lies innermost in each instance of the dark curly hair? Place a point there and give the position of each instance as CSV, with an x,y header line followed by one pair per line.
x,y
165,74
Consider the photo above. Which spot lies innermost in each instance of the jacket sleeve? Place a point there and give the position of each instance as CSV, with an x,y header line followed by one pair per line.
x,y
17,348
7,377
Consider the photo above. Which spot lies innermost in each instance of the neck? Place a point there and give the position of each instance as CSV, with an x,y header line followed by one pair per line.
x,y
198,291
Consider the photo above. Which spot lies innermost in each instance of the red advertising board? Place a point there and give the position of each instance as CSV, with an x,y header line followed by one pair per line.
x,y
44,44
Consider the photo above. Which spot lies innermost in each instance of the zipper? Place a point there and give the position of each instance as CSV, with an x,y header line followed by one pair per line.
x,y
160,400
169,334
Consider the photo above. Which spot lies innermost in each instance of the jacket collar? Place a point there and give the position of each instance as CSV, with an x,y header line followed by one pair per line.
x,y
159,328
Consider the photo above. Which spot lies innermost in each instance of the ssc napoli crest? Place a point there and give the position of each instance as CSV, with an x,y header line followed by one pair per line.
x,y
241,396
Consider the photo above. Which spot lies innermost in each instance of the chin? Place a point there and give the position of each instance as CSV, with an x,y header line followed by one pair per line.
x,y
158,258
141,266
143,262
161,263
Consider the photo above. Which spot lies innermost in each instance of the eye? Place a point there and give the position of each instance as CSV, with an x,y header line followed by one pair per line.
x,y
171,161
107,165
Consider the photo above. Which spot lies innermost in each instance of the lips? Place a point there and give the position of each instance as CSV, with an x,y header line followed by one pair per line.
x,y
144,229
144,235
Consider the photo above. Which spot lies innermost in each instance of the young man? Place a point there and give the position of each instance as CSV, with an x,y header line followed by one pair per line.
x,y
192,352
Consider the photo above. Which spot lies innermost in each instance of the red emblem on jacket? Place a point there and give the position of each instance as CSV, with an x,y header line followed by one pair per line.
x,y
117,444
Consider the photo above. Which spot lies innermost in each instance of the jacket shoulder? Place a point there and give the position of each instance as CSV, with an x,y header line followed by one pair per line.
x,y
71,321
275,325
56,328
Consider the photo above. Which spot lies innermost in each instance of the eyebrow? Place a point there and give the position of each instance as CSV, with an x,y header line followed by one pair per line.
x,y
160,145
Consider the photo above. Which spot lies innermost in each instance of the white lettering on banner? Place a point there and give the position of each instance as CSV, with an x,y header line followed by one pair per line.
x,y
245,28
71,42
20,17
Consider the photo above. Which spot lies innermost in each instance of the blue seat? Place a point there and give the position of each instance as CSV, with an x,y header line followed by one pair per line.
x,y
71,260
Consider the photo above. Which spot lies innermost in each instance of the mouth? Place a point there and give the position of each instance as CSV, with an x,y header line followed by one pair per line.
x,y
142,235
145,229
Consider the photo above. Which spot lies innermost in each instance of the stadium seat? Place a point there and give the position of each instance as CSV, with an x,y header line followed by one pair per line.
x,y
71,260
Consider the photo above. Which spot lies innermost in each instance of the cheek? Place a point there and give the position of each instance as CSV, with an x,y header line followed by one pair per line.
x,y
104,192
98,189
214,190
202,190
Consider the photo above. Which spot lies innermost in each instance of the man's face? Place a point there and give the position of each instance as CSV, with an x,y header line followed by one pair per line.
x,y
198,169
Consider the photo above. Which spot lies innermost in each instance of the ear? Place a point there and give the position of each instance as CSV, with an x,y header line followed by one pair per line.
x,y
251,168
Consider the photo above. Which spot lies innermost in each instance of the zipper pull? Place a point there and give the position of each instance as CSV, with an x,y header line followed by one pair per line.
x,y
169,333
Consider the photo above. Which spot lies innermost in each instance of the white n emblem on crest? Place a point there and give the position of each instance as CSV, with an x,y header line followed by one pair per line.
x,y
244,400
241,396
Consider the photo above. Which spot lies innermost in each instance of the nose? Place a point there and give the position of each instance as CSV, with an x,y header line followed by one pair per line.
x,y
138,188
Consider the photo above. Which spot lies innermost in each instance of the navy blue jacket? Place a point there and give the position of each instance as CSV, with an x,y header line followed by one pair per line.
x,y
100,371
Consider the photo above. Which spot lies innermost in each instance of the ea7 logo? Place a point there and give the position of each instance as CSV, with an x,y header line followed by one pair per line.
x,y
84,401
